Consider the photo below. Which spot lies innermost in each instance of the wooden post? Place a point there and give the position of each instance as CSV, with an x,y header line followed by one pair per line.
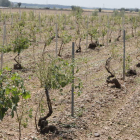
x,y
39,21
123,49
39,25
107,29
4,34
123,54
0,15
56,35
12,19
87,35
19,15
72,95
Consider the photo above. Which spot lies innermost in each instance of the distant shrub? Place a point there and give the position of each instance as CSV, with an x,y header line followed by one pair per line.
x,y
136,10
77,10
95,13
117,13
100,10
139,13
128,37
47,8
138,33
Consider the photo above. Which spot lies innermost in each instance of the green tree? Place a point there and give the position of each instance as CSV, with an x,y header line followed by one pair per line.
x,y
76,8
19,4
136,10
122,9
100,9
77,11
5,3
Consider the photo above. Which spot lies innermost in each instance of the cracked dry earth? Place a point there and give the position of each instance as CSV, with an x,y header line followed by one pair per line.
x,y
101,112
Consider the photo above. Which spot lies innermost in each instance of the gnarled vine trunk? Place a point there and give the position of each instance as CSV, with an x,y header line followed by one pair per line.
x,y
43,123
113,80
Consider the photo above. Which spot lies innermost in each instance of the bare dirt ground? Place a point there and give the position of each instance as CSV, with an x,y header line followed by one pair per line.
x,y
101,112
112,113
52,12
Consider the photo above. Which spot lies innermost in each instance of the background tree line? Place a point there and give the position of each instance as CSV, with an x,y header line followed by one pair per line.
x,y
5,3
127,9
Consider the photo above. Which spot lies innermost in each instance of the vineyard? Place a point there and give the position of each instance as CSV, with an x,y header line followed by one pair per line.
x,y
102,76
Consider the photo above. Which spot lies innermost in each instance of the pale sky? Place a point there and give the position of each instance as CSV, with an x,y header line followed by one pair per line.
x,y
88,3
